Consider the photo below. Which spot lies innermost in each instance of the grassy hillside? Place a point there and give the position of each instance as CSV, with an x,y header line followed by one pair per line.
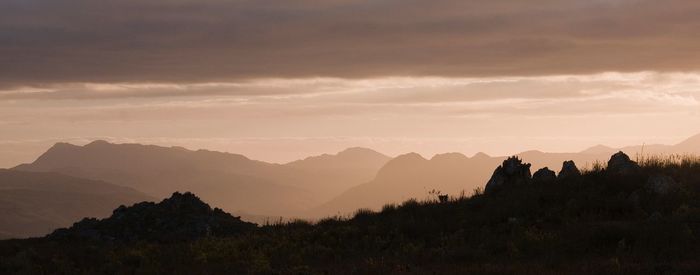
x,y
599,222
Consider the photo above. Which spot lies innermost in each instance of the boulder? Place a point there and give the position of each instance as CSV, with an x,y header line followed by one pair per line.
x,y
569,170
661,185
512,172
544,175
621,164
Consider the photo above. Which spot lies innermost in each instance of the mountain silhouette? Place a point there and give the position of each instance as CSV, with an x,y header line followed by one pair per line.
x,y
33,204
183,216
327,184
232,181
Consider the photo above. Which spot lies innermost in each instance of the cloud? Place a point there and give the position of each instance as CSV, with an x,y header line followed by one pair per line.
x,y
188,41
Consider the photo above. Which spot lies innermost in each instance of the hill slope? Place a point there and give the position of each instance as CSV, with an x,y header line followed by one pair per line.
x,y
33,204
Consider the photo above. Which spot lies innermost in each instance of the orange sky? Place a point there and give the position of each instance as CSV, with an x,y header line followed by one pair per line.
x,y
284,119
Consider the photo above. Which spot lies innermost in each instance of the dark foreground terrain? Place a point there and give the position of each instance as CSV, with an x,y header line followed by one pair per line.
x,y
618,218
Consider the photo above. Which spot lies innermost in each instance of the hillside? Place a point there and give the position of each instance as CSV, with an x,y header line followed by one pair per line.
x,y
33,204
622,219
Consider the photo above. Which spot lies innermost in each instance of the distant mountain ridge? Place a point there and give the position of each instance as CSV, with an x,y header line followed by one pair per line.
x,y
327,184
412,176
233,181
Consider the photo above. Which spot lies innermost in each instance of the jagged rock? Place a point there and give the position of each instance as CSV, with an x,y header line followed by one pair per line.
x,y
621,164
180,217
568,170
544,175
661,185
512,172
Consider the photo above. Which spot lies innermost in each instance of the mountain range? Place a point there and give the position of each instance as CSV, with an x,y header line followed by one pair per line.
x,y
314,187
230,181
412,176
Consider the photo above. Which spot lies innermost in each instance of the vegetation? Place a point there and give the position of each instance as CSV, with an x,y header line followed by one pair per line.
x,y
599,222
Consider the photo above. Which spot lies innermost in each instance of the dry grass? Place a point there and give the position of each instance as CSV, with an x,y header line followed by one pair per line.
x,y
669,161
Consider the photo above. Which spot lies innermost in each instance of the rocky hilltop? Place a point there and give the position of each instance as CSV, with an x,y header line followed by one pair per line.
x,y
183,216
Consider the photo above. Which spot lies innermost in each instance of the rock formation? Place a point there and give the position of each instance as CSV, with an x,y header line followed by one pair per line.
x,y
568,170
178,218
544,175
620,164
512,172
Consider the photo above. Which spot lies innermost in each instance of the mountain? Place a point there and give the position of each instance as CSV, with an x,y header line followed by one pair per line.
x,y
690,145
33,204
327,184
412,176
232,181
333,174
598,149
178,218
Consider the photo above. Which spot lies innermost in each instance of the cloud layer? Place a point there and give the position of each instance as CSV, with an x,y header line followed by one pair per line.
x,y
186,41
283,119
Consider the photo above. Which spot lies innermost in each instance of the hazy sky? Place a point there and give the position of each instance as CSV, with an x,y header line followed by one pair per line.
x,y
279,80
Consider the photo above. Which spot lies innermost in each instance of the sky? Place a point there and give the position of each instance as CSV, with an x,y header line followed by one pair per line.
x,y
281,80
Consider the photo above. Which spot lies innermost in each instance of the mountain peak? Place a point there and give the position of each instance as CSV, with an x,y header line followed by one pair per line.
x,y
354,156
409,157
401,165
449,157
599,149
62,145
358,151
98,142
480,155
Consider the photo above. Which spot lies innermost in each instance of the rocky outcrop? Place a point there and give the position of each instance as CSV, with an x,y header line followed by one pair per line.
x,y
569,170
178,218
661,185
512,172
621,164
544,175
